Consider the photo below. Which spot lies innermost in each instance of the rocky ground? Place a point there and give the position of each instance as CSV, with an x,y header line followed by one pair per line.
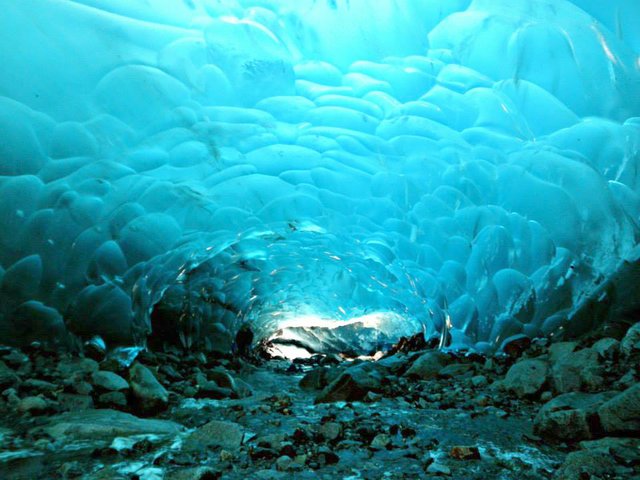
x,y
567,410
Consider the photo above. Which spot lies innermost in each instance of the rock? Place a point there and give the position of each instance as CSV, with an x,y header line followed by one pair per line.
x,y
113,399
194,473
105,424
516,345
465,453
560,349
331,431
71,367
109,381
626,451
438,469
326,456
526,378
215,434
569,416
607,348
621,414
150,397
73,402
33,405
428,365
396,364
586,464
318,378
210,389
479,381
33,385
380,441
576,371
353,384
8,377
631,342
16,359
455,370
284,463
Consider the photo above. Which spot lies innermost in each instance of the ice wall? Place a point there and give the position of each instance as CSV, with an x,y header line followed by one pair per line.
x,y
460,164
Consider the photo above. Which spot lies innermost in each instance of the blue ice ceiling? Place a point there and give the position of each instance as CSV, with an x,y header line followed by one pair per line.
x,y
459,164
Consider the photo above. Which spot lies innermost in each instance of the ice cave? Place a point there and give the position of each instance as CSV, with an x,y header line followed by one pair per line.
x,y
321,179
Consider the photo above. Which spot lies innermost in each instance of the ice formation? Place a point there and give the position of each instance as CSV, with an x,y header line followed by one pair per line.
x,y
182,167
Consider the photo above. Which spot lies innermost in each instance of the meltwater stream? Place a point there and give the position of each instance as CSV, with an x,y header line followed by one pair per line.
x,y
179,168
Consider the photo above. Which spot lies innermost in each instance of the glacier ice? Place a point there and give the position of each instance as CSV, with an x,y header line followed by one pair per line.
x,y
179,168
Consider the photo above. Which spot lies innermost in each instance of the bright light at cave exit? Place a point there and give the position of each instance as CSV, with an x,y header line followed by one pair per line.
x,y
376,320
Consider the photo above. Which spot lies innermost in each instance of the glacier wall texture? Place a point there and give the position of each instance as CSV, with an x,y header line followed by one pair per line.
x,y
461,164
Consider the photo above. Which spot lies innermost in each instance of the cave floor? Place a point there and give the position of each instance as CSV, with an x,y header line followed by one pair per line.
x,y
279,432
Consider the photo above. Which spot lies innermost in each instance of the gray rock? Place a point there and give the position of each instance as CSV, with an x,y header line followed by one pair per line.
x,y
380,441
318,378
631,342
526,378
569,416
73,402
621,414
33,405
34,385
586,464
70,367
353,384
8,376
560,349
576,371
607,348
215,434
428,365
105,425
193,473
331,431
113,399
455,370
150,396
109,381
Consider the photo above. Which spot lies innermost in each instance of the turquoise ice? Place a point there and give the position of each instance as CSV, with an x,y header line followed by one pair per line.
x,y
423,165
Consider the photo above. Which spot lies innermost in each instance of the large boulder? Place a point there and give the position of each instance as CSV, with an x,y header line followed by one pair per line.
x,y
631,342
570,417
427,365
578,371
105,425
353,384
621,414
109,381
587,464
526,378
149,395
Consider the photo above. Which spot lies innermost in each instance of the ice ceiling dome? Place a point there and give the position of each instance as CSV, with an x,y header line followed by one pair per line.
x,y
225,161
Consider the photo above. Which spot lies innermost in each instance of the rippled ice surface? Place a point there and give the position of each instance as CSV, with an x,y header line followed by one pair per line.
x,y
470,165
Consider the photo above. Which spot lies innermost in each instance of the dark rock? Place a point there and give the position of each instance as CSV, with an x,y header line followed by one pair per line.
x,y
70,367
455,370
515,346
621,414
318,378
428,365
149,395
579,370
8,376
33,405
113,399
353,384
626,451
104,425
215,434
560,349
570,416
607,348
72,402
586,464
35,386
109,381
630,344
526,378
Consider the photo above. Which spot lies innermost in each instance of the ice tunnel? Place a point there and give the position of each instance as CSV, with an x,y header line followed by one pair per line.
x,y
176,169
